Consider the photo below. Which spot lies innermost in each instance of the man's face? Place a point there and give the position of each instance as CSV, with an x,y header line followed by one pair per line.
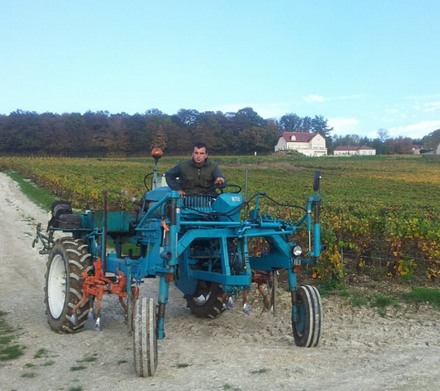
x,y
199,155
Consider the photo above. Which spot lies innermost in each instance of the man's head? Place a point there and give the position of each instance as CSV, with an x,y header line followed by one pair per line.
x,y
200,154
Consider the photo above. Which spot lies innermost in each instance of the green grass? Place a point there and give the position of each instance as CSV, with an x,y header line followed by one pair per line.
x,y
357,299
41,353
381,302
77,368
259,371
29,365
183,365
9,349
329,286
37,194
29,375
424,295
91,358
230,387
85,359
11,352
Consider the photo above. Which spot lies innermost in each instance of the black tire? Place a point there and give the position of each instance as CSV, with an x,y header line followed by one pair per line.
x,y
208,300
63,289
307,316
70,221
145,337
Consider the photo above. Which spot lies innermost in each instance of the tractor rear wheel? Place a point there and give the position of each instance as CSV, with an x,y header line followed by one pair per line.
x,y
63,290
307,316
208,301
145,337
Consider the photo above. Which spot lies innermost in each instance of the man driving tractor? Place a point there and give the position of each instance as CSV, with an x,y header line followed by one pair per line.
x,y
196,176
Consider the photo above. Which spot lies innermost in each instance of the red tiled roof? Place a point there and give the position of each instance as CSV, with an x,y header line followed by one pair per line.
x,y
300,137
352,148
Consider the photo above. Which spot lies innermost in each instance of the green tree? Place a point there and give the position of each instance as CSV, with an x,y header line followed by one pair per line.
x,y
160,139
432,140
399,146
291,123
318,124
258,139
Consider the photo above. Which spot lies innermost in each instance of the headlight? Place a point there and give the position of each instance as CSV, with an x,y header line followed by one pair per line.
x,y
297,251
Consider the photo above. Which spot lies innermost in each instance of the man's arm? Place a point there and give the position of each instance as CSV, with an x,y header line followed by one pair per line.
x,y
218,176
171,177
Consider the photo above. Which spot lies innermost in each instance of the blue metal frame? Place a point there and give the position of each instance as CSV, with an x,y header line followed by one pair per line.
x,y
167,226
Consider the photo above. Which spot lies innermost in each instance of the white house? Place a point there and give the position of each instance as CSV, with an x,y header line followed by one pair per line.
x,y
354,150
309,144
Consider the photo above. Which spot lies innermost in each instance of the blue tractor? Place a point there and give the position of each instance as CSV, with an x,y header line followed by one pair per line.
x,y
199,243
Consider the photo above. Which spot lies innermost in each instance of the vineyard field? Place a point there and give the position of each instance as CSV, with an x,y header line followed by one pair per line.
x,y
378,213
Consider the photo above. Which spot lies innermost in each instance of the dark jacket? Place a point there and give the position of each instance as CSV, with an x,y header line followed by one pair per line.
x,y
191,179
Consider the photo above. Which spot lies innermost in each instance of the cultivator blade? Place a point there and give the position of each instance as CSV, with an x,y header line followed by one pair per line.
x,y
230,303
98,324
73,319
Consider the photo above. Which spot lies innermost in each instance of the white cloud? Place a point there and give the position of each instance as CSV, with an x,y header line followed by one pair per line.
x,y
431,107
314,98
417,130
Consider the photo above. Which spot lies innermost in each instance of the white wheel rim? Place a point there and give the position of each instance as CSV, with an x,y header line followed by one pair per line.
x,y
56,286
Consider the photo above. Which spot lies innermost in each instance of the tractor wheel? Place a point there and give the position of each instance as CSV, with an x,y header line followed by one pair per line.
x,y
145,337
208,301
67,261
307,316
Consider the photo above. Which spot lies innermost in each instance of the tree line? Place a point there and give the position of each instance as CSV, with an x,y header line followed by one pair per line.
x,y
101,133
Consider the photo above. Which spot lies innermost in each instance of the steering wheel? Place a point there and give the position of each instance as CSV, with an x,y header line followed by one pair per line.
x,y
223,188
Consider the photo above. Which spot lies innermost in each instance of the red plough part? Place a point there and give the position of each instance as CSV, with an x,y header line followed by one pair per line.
x,y
98,284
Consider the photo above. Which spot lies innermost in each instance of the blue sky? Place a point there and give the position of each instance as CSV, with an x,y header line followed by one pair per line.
x,y
363,65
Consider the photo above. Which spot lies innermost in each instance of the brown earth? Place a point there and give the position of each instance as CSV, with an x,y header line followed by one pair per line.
x,y
359,349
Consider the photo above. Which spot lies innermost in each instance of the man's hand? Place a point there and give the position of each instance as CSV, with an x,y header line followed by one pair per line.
x,y
219,181
182,193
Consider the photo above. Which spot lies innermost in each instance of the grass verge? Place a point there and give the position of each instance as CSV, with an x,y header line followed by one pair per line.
x,y
423,295
381,301
9,349
36,194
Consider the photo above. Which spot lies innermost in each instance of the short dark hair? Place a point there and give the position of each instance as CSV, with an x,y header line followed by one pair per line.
x,y
199,145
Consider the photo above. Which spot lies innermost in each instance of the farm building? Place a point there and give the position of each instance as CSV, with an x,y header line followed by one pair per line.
x,y
354,150
309,144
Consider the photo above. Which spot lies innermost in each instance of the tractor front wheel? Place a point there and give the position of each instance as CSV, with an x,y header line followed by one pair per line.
x,y
208,301
145,337
307,316
68,259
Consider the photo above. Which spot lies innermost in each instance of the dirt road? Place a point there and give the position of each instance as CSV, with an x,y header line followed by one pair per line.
x,y
359,350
